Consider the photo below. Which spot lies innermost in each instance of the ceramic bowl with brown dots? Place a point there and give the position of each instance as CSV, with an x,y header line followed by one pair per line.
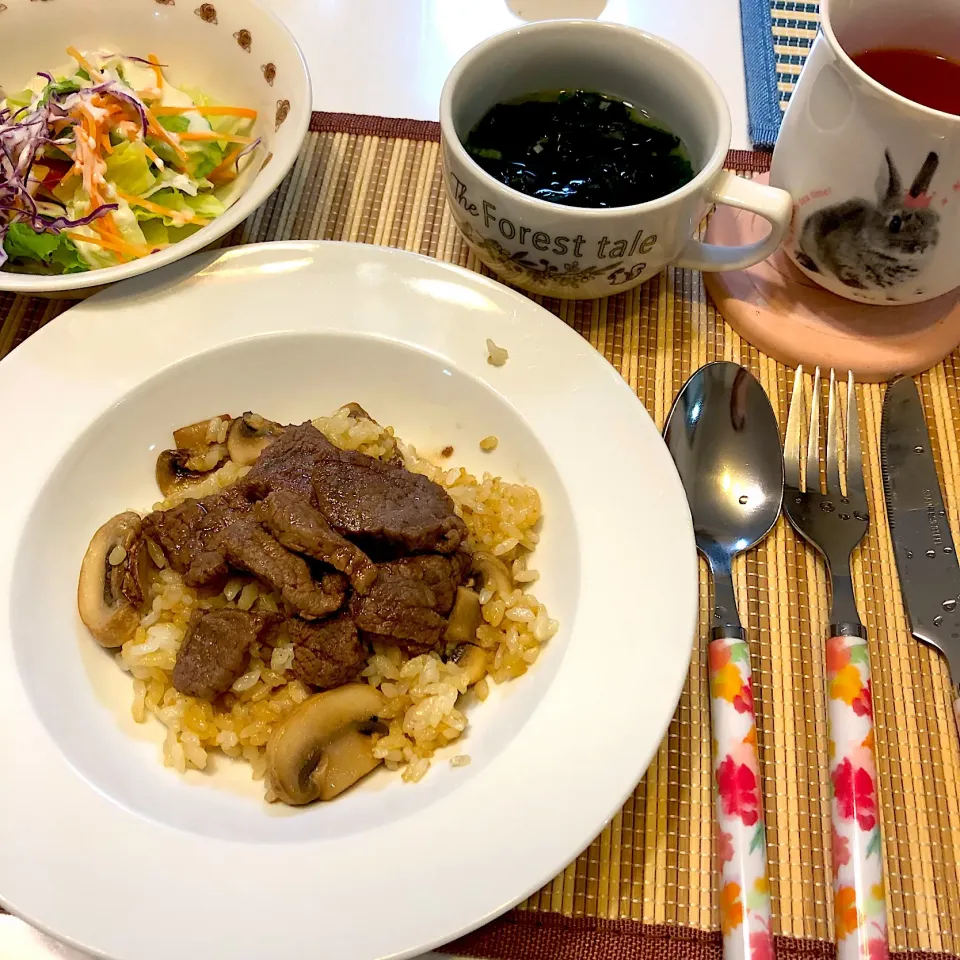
x,y
235,51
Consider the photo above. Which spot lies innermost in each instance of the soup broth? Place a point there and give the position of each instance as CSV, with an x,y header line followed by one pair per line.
x,y
580,149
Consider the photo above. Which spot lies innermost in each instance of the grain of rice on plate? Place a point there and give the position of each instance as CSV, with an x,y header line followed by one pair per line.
x,y
423,710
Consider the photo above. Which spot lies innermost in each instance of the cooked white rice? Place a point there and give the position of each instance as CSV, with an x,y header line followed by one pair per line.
x,y
496,356
423,710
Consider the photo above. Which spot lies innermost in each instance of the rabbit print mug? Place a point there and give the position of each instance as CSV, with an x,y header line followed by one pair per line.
x,y
581,252
875,177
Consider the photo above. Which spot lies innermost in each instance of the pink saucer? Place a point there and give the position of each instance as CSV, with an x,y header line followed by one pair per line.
x,y
787,316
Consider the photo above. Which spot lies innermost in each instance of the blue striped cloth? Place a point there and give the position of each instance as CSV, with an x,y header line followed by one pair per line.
x,y
777,35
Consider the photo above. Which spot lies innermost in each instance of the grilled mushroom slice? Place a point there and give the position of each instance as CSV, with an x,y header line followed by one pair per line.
x,y
465,617
202,446
494,571
199,451
200,436
324,746
173,473
113,571
472,660
248,437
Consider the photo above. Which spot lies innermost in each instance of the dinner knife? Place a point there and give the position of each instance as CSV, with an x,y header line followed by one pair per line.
x,y
922,542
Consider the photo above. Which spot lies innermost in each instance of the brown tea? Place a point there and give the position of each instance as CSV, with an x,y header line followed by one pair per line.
x,y
919,75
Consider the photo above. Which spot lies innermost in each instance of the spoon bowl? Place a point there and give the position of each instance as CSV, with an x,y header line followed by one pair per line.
x,y
725,441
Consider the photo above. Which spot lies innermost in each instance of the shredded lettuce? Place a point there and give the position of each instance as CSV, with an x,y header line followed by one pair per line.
x,y
22,98
54,251
231,126
68,188
128,168
203,157
125,217
96,257
59,88
205,205
175,124
177,181
198,96
156,232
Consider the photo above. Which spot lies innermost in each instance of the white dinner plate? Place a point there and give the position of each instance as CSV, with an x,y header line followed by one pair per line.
x,y
103,846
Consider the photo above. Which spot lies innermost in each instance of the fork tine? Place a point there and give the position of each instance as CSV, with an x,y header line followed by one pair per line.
x,y
791,441
833,431
813,439
854,455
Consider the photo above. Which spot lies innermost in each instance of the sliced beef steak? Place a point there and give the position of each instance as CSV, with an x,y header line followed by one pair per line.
x,y
289,463
410,600
214,652
248,546
188,534
369,500
363,499
327,653
302,528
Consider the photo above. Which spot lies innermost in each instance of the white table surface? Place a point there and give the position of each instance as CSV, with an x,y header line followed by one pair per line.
x,y
390,58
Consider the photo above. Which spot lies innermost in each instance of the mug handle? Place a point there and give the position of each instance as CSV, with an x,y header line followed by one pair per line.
x,y
771,203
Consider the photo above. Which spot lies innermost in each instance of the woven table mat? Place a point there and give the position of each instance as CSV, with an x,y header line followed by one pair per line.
x,y
644,887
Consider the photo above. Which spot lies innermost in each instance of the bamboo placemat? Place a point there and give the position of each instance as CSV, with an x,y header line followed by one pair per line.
x,y
644,887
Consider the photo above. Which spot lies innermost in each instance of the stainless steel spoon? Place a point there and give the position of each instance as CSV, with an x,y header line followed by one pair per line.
x,y
724,439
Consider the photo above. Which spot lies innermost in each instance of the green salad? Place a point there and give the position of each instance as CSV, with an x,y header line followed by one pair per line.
x,y
106,162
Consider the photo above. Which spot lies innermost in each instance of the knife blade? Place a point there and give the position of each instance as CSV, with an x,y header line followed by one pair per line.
x,y
922,542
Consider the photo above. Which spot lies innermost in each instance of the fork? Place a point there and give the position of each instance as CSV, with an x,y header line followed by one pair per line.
x,y
834,522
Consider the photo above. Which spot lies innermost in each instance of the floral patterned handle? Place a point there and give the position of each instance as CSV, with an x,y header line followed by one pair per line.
x,y
741,838
858,895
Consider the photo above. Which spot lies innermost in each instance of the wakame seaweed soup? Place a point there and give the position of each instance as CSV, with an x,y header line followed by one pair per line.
x,y
580,149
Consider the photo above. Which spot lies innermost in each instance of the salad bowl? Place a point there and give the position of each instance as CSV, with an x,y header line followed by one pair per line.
x,y
232,52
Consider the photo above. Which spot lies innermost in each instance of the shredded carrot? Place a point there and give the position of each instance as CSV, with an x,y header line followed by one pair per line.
x,y
213,135
106,228
87,158
117,246
224,172
82,60
107,244
105,143
164,135
212,111
157,72
152,155
162,211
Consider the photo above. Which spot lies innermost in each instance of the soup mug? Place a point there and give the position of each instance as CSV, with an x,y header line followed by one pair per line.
x,y
875,177
578,252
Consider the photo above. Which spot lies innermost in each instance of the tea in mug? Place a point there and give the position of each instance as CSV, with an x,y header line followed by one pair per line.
x,y
922,76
